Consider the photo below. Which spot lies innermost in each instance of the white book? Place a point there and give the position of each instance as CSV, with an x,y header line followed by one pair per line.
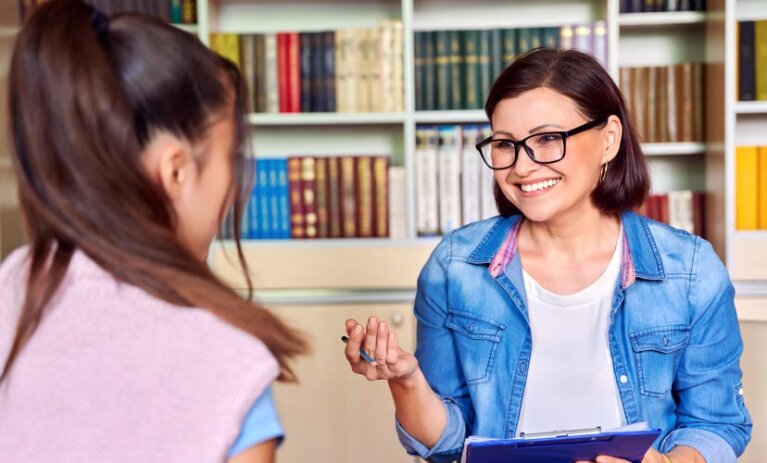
x,y
340,71
351,52
426,185
450,141
398,76
270,74
600,42
487,199
471,175
397,202
384,85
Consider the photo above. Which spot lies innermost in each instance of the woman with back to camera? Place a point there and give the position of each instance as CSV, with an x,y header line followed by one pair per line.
x,y
568,310
119,343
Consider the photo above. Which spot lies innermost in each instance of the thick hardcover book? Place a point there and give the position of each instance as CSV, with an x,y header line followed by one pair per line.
x,y
525,40
761,189
383,87
318,97
430,71
189,11
365,201
321,170
419,48
271,74
352,78
248,68
283,63
362,69
294,72
381,196
348,195
176,16
746,61
746,191
687,100
510,46
340,70
651,100
397,202
307,103
449,186
444,86
309,193
661,107
398,65
600,42
497,64
457,80
471,173
699,213
472,75
335,223
273,193
373,69
329,70
262,185
566,33
760,35
550,37
297,218
485,68
426,185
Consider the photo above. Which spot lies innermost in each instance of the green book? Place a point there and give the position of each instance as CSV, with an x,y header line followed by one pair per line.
x,y
524,40
442,45
536,38
175,11
474,97
457,83
550,37
496,53
429,71
485,68
760,54
419,48
510,51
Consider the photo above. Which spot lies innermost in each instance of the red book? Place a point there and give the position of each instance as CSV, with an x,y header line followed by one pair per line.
x,y
699,213
663,208
283,63
294,72
334,197
295,190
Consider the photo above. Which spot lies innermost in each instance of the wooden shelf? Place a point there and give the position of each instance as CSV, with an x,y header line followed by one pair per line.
x,y
660,19
451,117
673,149
330,243
298,119
751,107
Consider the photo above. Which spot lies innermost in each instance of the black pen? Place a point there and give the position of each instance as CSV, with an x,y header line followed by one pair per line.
x,y
364,354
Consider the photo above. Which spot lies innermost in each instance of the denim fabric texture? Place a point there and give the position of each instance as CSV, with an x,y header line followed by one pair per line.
x,y
674,339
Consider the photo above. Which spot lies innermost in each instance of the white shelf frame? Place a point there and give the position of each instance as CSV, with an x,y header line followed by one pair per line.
x,y
662,19
674,149
751,107
299,119
451,117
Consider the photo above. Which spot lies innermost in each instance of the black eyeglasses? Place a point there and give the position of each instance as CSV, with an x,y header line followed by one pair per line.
x,y
543,148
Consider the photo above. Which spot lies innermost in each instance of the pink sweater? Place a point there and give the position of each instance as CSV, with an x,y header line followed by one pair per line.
x,y
113,374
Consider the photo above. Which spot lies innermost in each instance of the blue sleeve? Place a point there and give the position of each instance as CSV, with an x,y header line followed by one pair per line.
x,y
260,424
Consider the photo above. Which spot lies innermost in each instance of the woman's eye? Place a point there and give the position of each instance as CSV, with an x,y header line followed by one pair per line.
x,y
503,144
547,138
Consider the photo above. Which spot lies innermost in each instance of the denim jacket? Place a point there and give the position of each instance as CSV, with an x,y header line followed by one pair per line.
x,y
674,338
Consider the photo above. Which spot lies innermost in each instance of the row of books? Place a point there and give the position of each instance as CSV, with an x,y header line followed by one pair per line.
x,y
752,60
173,11
751,188
318,197
455,69
346,70
683,209
641,6
453,187
666,102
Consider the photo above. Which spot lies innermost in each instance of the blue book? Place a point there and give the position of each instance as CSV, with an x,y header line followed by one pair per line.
x,y
283,199
262,182
272,192
563,446
250,228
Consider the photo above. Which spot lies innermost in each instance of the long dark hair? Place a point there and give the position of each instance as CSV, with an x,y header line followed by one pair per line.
x,y
86,96
582,78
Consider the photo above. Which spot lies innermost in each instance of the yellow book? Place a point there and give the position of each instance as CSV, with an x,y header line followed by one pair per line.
x,y
745,187
761,182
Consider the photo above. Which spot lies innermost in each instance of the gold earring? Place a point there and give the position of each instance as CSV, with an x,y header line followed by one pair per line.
x,y
603,172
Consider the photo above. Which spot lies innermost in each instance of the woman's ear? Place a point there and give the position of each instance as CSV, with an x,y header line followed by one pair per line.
x,y
168,161
612,136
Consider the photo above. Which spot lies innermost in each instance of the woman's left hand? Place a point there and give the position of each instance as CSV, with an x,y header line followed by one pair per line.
x,y
652,456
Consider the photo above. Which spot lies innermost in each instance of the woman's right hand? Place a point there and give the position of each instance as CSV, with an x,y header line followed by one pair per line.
x,y
391,362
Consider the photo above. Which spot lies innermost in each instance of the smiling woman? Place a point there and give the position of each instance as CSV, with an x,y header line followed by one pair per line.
x,y
569,310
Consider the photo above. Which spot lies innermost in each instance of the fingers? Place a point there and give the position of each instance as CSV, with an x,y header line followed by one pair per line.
x,y
352,351
392,352
371,338
350,324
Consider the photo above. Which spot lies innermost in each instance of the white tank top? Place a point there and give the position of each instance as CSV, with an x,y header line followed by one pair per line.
x,y
570,382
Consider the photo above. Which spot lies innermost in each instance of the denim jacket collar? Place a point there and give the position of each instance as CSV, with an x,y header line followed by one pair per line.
x,y
640,254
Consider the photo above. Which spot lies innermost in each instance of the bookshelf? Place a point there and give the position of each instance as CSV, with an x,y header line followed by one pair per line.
x,y
661,19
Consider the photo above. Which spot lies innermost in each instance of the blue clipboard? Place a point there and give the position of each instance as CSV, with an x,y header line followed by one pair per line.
x,y
629,445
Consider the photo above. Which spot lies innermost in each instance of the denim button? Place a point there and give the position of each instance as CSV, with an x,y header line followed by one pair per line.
x,y
624,379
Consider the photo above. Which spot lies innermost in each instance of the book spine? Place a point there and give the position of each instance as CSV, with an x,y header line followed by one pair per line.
x,y
760,43
600,43
294,72
426,164
524,40
321,166
584,38
362,70
381,196
272,72
651,99
348,197
455,66
688,97
384,84
510,51
698,102
699,213
283,71
306,51
176,16
471,172
189,11
340,70
449,175
442,45
334,198
746,61
661,107
487,199
672,103
398,66
419,47
430,71
761,182
283,192
318,97
329,50
249,225
264,201
474,98
550,37
273,192
497,64
352,77
365,201
746,168
566,34
247,58
309,195
485,68
397,202
297,224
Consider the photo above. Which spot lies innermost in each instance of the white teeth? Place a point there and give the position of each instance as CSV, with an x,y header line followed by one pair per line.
x,y
539,185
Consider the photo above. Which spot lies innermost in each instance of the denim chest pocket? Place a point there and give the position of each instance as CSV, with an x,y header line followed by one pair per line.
x,y
476,339
657,352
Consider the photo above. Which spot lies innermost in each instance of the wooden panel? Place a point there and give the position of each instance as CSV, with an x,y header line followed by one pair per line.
x,y
357,264
334,415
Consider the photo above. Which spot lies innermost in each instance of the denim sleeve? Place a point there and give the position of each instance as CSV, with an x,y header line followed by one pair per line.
x,y
438,359
712,417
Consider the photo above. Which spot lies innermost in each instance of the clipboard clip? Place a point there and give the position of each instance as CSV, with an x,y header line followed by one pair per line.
x,y
563,433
